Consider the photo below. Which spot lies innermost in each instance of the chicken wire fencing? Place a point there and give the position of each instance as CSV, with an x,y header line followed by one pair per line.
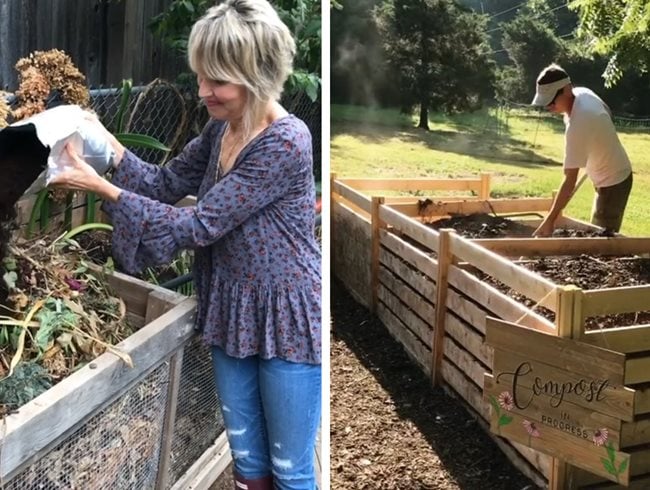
x,y
118,448
174,115
198,414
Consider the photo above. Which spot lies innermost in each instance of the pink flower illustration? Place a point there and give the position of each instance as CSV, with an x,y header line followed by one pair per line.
x,y
531,428
506,401
600,436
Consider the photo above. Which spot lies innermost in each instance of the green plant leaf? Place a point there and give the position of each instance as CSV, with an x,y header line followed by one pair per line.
x,y
9,263
623,466
504,419
127,85
611,452
495,404
141,141
608,466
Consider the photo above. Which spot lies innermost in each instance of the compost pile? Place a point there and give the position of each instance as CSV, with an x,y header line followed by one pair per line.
x,y
587,272
390,429
481,225
56,314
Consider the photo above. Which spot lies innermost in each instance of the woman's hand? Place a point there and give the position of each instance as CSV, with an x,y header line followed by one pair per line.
x,y
118,147
80,176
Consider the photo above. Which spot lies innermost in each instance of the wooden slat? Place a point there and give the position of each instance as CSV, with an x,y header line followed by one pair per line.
x,y
573,450
421,283
499,206
414,256
464,361
32,429
543,247
566,354
437,198
207,469
467,310
417,231
635,433
615,401
413,322
411,344
497,302
611,301
470,339
355,197
375,246
639,466
462,385
367,184
412,299
642,400
517,277
637,370
627,340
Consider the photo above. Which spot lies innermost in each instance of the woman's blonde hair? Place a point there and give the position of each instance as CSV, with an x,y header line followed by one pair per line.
x,y
244,42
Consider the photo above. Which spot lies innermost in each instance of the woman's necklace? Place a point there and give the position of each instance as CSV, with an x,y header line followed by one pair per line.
x,y
225,163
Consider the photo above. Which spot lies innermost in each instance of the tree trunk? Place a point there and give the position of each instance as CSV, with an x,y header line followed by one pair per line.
x,y
424,116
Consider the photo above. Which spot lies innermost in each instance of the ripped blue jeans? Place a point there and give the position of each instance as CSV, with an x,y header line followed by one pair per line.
x,y
271,409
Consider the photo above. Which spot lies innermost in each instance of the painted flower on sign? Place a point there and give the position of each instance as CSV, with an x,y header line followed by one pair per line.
x,y
506,401
600,436
531,428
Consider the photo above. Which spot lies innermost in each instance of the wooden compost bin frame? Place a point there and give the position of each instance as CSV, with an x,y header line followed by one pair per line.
x,y
405,284
41,424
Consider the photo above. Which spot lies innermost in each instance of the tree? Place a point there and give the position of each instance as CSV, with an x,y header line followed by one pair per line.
x,y
617,29
438,53
303,17
530,45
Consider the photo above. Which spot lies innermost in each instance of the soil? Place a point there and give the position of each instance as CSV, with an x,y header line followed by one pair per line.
x,y
482,225
390,429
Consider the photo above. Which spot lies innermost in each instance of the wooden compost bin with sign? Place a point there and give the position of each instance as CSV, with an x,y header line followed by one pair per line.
x,y
404,270
108,420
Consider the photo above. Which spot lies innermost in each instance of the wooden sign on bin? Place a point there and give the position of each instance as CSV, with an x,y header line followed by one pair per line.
x,y
559,396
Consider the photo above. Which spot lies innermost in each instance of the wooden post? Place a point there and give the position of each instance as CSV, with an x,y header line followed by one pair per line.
x,y
331,216
568,314
173,389
485,186
438,340
376,225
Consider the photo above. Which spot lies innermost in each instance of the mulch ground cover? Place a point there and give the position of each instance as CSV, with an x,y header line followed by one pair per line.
x,y
390,429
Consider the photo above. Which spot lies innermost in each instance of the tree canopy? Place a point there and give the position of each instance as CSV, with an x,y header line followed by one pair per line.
x,y
438,53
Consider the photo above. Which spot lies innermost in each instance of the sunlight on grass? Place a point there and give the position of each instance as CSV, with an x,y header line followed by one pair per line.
x,y
523,151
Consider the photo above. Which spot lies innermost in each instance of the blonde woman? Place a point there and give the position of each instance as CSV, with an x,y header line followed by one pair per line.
x,y
257,264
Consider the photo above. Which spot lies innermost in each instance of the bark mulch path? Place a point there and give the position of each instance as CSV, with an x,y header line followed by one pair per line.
x,y
390,429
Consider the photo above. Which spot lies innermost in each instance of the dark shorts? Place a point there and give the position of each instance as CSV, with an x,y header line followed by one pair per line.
x,y
609,205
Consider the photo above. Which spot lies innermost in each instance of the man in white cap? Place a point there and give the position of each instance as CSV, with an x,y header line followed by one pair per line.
x,y
590,142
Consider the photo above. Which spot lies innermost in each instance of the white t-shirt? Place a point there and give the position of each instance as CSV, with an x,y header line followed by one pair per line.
x,y
591,142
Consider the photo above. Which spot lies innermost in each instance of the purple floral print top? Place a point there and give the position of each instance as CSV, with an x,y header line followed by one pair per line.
x,y
257,263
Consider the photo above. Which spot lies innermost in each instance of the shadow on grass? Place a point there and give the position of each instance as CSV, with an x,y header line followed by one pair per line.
x,y
465,450
488,146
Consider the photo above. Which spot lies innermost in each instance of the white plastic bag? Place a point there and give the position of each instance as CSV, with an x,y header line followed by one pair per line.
x,y
57,127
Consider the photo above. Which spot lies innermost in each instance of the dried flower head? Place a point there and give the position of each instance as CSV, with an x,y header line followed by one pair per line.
x,y
5,110
43,72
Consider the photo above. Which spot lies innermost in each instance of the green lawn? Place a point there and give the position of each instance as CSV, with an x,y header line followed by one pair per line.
x,y
524,155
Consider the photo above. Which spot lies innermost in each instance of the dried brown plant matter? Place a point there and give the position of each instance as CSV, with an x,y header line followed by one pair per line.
x,y
43,72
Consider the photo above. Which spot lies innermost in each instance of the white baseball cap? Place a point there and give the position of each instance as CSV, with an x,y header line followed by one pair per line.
x,y
546,93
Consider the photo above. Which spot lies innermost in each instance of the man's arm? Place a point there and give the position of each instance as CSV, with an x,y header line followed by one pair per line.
x,y
564,195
